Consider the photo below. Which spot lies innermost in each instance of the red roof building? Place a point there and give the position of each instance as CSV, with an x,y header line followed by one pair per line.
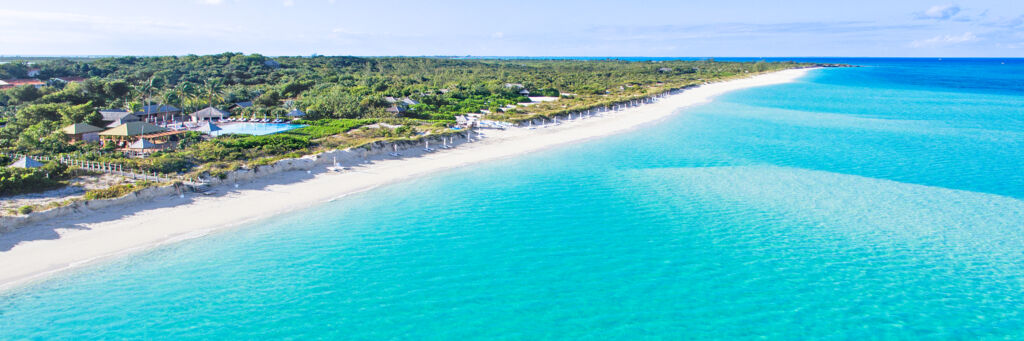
x,y
10,83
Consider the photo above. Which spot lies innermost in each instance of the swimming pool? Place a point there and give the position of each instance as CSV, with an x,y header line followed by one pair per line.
x,y
253,128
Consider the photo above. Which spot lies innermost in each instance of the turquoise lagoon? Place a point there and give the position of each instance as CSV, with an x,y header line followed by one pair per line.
x,y
882,202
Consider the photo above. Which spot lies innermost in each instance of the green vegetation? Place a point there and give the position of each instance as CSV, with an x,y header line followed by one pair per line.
x,y
341,96
327,127
28,180
111,192
246,147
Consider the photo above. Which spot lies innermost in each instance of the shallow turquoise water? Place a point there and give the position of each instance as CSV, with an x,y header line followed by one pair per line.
x,y
878,202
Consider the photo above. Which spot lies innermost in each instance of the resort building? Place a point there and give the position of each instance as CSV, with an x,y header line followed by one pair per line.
x,y
396,109
157,111
125,134
82,132
241,105
111,115
209,113
403,101
10,83
123,120
69,79
399,106
296,113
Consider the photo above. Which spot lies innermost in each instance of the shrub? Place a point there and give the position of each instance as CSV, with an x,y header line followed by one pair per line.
x,y
165,164
189,139
25,209
327,127
29,180
111,192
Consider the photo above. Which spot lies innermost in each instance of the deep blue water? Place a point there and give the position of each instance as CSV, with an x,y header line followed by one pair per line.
x,y
859,203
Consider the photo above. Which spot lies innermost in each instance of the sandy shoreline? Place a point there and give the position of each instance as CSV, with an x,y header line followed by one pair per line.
x,y
34,252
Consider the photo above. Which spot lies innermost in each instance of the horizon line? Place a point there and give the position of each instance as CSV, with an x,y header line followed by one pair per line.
x,y
474,56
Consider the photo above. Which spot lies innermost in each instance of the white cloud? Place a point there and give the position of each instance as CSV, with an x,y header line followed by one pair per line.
x,y
211,2
289,3
940,12
944,40
29,28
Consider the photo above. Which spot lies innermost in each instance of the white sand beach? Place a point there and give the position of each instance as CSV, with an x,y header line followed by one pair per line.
x,y
34,252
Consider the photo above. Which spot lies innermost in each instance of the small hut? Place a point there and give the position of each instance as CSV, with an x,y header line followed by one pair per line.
x,y
26,162
296,113
82,132
144,146
208,128
157,112
209,113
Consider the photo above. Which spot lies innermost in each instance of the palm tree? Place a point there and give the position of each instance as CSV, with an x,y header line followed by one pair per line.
x,y
213,89
162,99
142,91
133,106
181,93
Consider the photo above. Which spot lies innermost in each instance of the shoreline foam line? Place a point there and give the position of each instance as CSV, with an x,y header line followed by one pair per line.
x,y
41,250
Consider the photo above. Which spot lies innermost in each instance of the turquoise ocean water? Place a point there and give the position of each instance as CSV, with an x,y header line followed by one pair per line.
x,y
874,202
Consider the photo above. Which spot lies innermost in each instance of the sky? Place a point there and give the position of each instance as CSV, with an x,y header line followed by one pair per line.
x,y
656,28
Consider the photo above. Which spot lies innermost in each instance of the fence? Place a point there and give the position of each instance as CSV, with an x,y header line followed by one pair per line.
x,y
113,168
622,105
